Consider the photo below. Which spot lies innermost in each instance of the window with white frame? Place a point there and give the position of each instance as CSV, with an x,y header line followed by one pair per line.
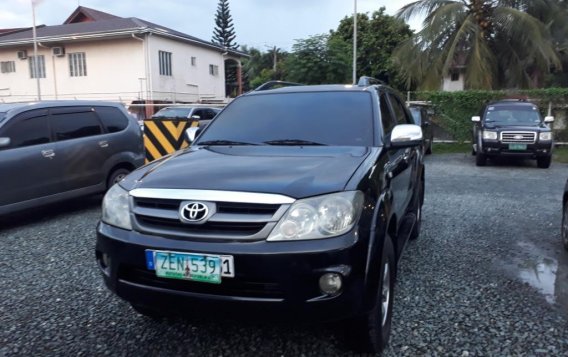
x,y
165,60
77,64
213,70
37,69
8,67
194,61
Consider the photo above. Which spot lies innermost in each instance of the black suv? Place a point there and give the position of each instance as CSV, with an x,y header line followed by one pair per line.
x,y
422,113
294,202
514,128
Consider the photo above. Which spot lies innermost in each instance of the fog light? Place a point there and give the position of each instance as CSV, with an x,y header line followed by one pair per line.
x,y
330,283
105,260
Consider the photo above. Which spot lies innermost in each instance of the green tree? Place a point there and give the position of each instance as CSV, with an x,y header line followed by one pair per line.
x,y
496,43
224,32
260,66
319,59
377,38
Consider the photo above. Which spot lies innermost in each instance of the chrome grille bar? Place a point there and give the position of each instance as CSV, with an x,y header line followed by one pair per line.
x,y
518,137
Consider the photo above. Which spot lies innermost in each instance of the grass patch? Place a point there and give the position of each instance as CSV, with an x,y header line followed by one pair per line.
x,y
452,148
560,154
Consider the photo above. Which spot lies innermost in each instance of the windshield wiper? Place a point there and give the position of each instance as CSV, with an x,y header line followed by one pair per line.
x,y
224,142
293,142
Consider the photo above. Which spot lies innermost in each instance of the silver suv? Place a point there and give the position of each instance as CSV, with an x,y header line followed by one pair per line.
x,y
51,151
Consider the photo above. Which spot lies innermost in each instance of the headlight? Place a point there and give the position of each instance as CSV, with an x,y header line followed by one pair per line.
x,y
116,210
546,136
489,135
319,217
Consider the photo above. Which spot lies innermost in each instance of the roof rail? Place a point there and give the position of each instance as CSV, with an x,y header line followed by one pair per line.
x,y
276,84
368,81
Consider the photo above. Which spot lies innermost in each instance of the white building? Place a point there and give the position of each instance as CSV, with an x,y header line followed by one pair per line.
x,y
96,55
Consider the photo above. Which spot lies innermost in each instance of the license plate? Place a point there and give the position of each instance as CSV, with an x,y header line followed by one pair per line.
x,y
517,146
190,266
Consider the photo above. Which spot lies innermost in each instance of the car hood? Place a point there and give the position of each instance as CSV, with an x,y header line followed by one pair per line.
x,y
292,171
536,128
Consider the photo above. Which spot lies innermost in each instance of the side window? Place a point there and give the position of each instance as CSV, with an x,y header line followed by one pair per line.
x,y
199,112
399,112
29,128
113,119
67,126
387,120
209,114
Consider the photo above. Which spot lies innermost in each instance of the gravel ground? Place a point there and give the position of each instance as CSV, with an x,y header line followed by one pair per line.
x,y
460,292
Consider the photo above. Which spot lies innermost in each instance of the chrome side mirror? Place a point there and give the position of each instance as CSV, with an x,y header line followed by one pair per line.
x,y
196,117
548,119
4,142
406,135
191,133
476,119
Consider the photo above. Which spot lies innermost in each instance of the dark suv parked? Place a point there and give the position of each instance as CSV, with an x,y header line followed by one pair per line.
x,y
422,113
513,128
295,201
50,151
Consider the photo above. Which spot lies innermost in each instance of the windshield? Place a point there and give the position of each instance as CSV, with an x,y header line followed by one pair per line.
x,y
309,118
416,115
513,115
2,116
173,113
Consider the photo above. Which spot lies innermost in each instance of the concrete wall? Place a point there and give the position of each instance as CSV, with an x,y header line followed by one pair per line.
x,y
188,82
453,86
123,70
113,69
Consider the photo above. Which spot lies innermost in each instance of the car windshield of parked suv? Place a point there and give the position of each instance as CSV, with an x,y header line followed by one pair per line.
x,y
510,115
307,118
417,115
173,113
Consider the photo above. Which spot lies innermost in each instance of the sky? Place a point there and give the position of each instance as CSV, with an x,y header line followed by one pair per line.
x,y
258,23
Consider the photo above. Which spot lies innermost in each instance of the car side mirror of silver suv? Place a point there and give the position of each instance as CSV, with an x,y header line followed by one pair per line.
x,y
191,133
476,119
406,135
548,119
4,142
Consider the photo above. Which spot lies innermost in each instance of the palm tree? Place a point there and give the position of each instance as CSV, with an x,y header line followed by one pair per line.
x,y
496,43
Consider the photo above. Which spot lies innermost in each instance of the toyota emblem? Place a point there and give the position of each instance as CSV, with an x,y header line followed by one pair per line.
x,y
193,212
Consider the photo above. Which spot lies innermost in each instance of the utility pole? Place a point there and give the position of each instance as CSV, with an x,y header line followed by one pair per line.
x,y
354,41
275,59
35,62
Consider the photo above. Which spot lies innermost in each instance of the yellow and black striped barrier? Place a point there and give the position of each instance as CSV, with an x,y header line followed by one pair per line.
x,y
164,136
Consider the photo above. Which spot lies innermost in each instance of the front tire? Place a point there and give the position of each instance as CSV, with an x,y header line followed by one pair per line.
x,y
543,162
116,176
480,159
370,333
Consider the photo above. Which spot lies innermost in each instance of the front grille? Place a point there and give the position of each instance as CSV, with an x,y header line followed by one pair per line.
x,y
228,286
518,137
230,220
217,228
222,207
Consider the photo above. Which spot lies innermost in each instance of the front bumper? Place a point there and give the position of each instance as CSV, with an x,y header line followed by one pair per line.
x,y
276,279
533,151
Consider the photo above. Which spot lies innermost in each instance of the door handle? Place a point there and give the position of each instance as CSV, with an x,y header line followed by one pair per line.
x,y
103,144
48,153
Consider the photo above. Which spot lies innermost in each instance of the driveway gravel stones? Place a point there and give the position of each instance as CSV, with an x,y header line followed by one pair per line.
x,y
459,291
